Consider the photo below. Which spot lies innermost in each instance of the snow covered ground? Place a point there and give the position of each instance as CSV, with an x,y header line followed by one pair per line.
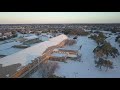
x,y
72,69
6,46
86,68
7,49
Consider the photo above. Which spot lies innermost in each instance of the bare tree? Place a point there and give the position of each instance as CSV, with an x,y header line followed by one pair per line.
x,y
47,69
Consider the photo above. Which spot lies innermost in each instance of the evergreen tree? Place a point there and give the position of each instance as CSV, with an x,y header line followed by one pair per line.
x,y
104,63
106,49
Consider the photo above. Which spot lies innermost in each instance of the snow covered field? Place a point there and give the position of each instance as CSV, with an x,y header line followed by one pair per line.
x,y
86,68
71,69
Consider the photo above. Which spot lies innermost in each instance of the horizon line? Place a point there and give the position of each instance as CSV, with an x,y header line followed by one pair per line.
x,y
63,23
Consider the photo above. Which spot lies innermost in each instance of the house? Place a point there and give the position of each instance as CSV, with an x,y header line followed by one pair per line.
x,y
8,34
38,32
4,37
32,37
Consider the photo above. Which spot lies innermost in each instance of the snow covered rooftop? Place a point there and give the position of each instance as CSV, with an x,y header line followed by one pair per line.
x,y
25,56
59,54
31,37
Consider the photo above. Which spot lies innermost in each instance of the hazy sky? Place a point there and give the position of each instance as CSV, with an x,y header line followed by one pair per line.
x,y
59,17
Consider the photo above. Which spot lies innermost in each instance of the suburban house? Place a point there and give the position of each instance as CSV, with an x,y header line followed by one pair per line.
x,y
8,34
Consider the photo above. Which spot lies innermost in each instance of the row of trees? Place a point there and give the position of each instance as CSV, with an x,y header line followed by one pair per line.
x,y
75,32
100,38
115,30
106,49
13,36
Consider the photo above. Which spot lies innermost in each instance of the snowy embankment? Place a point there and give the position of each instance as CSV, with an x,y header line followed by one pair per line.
x,y
86,68
27,55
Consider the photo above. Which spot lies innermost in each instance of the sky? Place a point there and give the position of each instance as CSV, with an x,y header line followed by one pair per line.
x,y
58,17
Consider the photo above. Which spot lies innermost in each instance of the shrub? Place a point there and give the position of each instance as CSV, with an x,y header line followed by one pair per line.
x,y
105,63
106,49
100,38
70,42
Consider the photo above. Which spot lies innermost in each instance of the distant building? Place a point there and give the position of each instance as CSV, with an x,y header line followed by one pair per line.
x,y
4,37
31,37
8,34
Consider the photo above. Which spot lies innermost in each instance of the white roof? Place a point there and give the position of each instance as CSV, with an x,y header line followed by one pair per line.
x,y
31,37
25,56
